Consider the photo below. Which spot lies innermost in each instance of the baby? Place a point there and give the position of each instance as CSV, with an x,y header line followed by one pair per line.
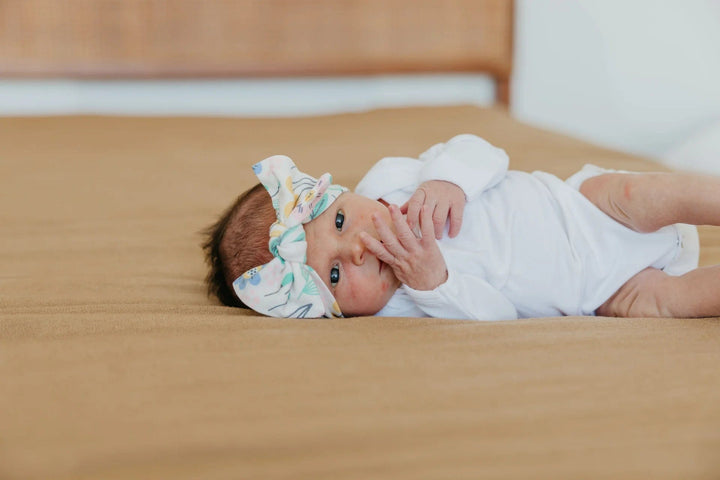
x,y
471,240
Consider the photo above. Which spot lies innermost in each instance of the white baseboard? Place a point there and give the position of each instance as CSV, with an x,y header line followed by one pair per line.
x,y
246,97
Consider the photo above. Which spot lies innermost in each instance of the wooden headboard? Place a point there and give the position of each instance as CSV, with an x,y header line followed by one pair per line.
x,y
229,38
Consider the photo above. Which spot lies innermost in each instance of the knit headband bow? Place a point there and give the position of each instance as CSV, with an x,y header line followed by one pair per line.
x,y
286,286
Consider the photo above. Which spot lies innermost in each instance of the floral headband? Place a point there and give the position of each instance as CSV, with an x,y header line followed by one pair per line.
x,y
286,286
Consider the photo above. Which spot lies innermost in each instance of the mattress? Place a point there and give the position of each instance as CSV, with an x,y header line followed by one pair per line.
x,y
114,363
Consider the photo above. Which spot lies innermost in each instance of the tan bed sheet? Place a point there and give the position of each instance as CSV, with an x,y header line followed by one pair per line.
x,y
114,363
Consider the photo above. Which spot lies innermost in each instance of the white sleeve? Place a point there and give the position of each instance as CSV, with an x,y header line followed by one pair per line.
x,y
401,305
464,296
466,160
390,174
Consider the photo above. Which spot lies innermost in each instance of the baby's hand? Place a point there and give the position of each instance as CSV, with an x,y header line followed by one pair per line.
x,y
442,199
416,262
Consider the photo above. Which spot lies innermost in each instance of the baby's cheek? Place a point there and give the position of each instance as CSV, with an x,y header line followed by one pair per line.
x,y
353,292
353,295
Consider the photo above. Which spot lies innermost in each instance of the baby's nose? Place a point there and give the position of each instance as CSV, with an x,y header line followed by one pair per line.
x,y
356,250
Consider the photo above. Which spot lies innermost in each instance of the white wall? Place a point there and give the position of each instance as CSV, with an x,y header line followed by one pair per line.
x,y
637,75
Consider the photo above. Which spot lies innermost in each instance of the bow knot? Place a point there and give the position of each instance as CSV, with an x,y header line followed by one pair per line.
x,y
286,286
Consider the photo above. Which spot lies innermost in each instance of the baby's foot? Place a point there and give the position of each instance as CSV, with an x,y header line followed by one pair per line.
x,y
647,294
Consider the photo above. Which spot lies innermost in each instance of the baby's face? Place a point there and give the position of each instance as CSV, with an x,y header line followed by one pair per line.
x,y
360,282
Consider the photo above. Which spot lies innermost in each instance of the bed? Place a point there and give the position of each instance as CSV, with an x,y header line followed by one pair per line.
x,y
115,364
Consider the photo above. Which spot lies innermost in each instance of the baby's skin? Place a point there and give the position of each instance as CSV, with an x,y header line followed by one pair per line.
x,y
646,203
364,249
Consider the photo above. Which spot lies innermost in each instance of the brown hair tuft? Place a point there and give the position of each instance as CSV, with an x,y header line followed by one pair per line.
x,y
237,242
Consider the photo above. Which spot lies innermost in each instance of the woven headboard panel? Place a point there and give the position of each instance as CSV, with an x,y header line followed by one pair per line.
x,y
173,38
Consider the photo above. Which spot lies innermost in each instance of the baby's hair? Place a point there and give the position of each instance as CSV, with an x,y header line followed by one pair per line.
x,y
237,242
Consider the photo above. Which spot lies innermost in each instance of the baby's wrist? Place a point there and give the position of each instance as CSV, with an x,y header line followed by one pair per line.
x,y
431,284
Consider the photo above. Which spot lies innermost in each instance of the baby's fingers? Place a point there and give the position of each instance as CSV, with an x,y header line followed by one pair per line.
x,y
412,208
406,236
389,240
426,225
439,218
377,248
456,216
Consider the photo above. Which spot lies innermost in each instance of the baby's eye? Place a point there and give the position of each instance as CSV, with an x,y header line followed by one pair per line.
x,y
339,220
334,275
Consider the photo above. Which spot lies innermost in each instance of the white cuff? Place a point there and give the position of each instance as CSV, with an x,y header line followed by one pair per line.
x,y
464,296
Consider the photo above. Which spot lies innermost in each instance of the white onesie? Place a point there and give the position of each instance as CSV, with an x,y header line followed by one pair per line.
x,y
530,245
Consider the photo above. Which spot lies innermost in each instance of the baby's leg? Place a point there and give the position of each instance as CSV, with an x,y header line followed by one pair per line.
x,y
653,293
647,202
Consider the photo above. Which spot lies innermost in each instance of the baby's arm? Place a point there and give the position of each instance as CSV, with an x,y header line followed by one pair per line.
x,y
451,172
443,178
419,264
